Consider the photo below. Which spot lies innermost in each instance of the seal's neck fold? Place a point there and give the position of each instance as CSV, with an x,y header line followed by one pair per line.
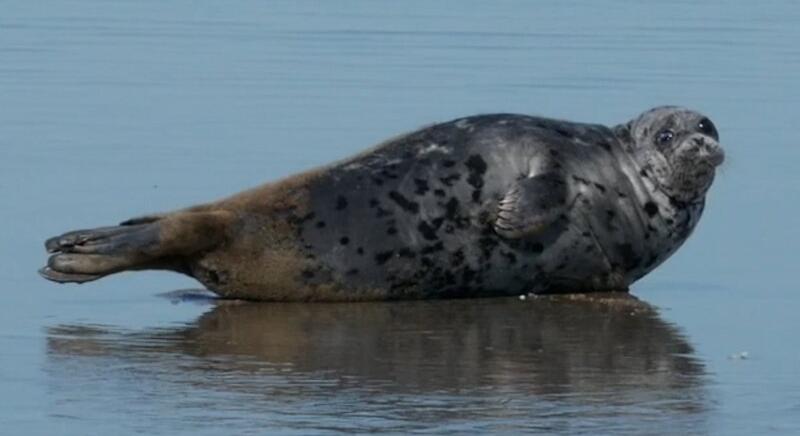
x,y
623,134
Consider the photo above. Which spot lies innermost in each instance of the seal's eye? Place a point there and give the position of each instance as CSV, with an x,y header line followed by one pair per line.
x,y
664,137
707,127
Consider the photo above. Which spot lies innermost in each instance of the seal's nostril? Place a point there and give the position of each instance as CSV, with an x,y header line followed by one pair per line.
x,y
700,141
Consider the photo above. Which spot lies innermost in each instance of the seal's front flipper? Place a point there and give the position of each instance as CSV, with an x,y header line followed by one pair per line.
x,y
164,242
531,205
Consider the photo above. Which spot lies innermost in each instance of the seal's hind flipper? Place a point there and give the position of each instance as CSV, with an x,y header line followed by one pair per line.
x,y
162,243
531,205
60,277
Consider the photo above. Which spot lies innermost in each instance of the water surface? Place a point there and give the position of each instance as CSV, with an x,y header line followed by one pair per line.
x,y
111,110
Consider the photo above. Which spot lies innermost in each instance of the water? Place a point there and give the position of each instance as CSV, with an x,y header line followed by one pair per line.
x,y
110,110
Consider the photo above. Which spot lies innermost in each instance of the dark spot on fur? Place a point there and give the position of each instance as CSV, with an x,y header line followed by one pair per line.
x,y
669,221
352,272
341,203
406,252
586,234
308,274
604,144
382,213
422,186
437,222
448,163
477,168
391,231
404,203
344,240
554,152
651,208
377,181
320,224
382,257
487,244
439,246
511,257
580,180
485,217
600,187
451,209
426,262
428,232
449,180
439,192
360,250
373,202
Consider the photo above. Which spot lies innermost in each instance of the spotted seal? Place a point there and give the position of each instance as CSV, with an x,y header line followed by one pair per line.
x,y
485,205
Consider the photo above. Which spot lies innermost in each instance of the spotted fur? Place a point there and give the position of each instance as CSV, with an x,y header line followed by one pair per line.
x,y
485,205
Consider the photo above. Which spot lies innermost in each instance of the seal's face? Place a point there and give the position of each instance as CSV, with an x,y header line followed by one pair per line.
x,y
679,149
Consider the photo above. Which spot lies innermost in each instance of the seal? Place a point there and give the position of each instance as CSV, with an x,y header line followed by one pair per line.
x,y
486,205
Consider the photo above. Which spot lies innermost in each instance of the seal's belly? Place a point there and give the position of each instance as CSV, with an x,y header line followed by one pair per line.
x,y
450,250
577,262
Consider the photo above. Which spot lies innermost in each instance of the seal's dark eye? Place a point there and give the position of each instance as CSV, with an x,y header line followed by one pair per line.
x,y
664,137
707,127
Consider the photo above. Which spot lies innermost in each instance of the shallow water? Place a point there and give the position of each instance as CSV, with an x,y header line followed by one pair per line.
x,y
110,110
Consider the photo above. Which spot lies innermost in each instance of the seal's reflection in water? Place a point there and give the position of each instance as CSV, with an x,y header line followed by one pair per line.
x,y
459,364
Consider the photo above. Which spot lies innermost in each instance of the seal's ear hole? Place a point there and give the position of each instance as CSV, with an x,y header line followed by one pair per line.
x,y
665,137
707,127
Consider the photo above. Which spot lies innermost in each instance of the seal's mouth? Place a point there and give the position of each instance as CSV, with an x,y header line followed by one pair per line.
x,y
701,152
708,150
703,172
693,166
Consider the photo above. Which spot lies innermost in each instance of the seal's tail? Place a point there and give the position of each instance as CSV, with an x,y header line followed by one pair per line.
x,y
154,242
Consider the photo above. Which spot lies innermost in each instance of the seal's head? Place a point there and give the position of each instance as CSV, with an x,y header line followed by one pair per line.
x,y
678,149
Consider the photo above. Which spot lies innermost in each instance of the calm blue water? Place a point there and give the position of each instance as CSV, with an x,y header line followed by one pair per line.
x,y
113,109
